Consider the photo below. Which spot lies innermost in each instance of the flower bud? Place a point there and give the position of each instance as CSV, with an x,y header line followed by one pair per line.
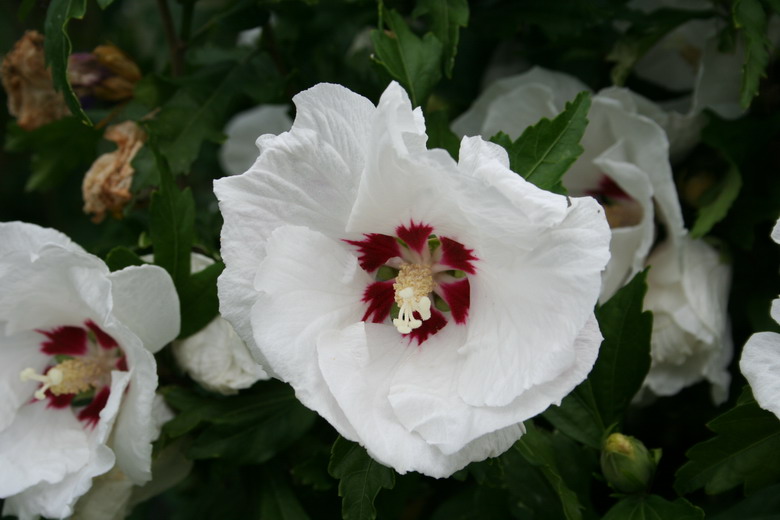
x,y
627,465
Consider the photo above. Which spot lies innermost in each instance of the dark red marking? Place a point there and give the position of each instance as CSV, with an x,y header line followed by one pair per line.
x,y
456,255
429,327
608,189
458,297
415,236
375,250
121,364
58,401
103,339
380,297
66,340
91,413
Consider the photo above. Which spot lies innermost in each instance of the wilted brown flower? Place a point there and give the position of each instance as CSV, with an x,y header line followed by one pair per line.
x,y
105,73
31,95
107,184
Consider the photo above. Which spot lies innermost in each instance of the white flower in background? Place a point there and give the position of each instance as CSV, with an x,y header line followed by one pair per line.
x,y
239,151
687,290
625,163
113,495
423,307
688,60
77,371
760,362
215,356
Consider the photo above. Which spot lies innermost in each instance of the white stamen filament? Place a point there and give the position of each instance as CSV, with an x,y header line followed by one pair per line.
x,y
53,377
406,321
413,285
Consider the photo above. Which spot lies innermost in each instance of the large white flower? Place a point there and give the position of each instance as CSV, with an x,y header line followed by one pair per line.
x,y
688,287
760,362
78,375
423,307
625,163
215,356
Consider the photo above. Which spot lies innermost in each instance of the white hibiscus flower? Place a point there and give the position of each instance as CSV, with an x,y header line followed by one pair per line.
x,y
687,290
423,307
215,356
78,374
760,362
625,163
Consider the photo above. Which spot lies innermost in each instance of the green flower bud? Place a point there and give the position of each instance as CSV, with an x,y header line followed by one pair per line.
x,y
627,465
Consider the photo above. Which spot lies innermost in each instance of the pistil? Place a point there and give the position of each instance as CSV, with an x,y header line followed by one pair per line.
x,y
72,376
412,286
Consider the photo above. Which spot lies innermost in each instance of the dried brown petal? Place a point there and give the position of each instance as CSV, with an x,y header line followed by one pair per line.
x,y
31,95
106,186
112,58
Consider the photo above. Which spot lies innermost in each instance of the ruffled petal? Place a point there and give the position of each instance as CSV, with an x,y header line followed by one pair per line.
x,y
42,445
307,177
145,301
359,363
299,300
30,238
20,351
760,364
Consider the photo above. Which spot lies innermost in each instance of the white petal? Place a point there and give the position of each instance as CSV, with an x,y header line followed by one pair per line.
x,y
42,445
760,365
19,351
359,362
239,151
145,301
29,238
719,80
527,309
307,177
299,300
776,232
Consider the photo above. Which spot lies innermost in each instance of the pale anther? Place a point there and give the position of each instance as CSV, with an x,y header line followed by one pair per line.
x,y
412,286
52,378
72,376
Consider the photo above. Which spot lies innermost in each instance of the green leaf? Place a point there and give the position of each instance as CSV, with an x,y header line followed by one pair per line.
x,y
547,149
277,500
745,450
411,60
447,17
440,135
25,6
537,449
653,507
624,360
644,33
104,3
774,5
749,16
721,197
197,112
57,48
249,428
199,302
121,257
172,226
763,505
360,479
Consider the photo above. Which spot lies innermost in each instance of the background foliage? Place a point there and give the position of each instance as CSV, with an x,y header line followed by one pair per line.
x,y
261,454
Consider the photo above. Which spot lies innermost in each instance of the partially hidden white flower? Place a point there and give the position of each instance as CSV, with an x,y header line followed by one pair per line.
x,y
113,495
423,307
239,151
77,372
215,356
625,163
760,361
687,291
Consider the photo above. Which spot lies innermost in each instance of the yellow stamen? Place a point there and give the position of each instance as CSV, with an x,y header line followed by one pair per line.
x,y
72,376
413,285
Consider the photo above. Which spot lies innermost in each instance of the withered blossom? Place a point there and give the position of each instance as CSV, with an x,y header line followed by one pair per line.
x,y
106,186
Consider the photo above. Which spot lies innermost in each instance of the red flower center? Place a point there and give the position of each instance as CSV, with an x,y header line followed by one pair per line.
x,y
421,278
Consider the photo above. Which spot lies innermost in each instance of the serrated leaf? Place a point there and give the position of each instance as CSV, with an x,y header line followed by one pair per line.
x,y
121,257
57,48
411,60
447,17
745,450
715,210
277,500
624,360
653,507
199,302
537,449
644,33
763,505
546,150
193,116
360,479
749,16
172,226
